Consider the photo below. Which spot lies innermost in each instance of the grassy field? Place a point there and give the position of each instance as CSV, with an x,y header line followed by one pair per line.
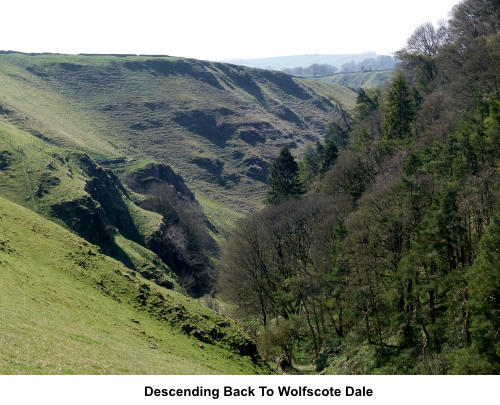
x,y
40,176
73,312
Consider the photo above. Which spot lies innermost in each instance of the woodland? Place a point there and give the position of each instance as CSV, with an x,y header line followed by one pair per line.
x,y
379,251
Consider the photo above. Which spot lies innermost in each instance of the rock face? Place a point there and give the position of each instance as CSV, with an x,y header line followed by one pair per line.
x,y
103,207
181,241
142,179
93,202
6,158
85,217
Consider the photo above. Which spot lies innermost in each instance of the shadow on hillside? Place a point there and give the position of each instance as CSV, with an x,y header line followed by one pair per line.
x,y
285,83
243,80
196,69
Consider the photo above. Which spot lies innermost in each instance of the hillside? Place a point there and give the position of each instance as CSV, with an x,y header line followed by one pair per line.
x,y
149,161
74,311
217,125
84,135
375,78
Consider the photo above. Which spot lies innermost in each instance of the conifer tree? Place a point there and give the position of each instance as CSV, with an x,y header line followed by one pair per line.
x,y
309,165
400,110
329,157
364,105
284,178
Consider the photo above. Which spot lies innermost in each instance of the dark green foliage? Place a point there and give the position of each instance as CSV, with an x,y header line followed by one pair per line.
x,y
417,97
330,155
365,104
284,181
401,264
316,162
400,110
350,175
310,163
484,282
338,133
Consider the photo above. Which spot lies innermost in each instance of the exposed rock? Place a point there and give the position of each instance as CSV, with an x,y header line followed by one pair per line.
x,y
140,180
4,110
214,166
85,217
6,159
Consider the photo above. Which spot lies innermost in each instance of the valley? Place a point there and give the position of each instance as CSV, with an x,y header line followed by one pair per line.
x,y
92,144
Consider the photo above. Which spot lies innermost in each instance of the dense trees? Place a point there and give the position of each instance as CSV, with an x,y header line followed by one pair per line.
x,y
274,268
390,263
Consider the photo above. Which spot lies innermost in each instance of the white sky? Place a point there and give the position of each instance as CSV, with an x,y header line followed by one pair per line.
x,y
214,29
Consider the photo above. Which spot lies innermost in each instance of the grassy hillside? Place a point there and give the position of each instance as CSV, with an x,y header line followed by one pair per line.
x,y
337,93
80,139
71,189
218,125
74,312
375,78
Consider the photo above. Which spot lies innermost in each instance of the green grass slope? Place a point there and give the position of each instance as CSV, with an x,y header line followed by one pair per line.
x,y
337,93
71,189
374,78
67,309
218,125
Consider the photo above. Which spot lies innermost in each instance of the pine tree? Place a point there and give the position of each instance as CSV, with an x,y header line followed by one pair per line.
x,y
364,105
400,110
309,164
284,178
329,157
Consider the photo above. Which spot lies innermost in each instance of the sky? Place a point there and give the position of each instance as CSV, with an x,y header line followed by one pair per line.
x,y
214,29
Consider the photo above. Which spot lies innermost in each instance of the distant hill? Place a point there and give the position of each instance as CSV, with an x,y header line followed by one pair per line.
x,y
280,62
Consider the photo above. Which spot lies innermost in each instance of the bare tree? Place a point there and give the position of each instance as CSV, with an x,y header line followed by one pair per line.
x,y
427,39
422,48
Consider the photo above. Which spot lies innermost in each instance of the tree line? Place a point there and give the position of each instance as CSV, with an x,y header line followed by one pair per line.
x,y
379,252
368,64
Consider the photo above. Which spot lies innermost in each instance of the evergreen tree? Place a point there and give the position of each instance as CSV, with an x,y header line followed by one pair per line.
x,y
400,110
364,105
338,134
284,178
309,165
329,157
